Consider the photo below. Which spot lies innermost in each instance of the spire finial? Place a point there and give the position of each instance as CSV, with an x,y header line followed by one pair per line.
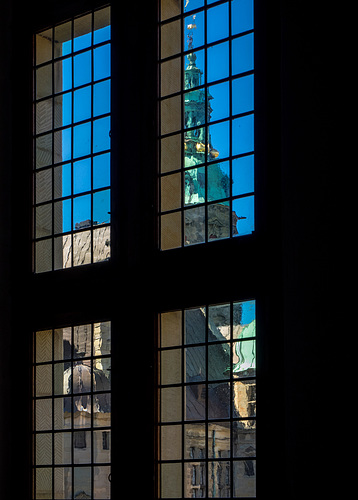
x,y
191,26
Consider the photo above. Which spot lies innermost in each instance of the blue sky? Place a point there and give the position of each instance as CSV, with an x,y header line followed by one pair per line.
x,y
82,110
242,89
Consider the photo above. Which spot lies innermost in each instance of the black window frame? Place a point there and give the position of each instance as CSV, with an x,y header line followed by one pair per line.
x,y
139,280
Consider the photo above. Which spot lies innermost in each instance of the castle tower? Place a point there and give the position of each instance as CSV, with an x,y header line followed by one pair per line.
x,y
202,184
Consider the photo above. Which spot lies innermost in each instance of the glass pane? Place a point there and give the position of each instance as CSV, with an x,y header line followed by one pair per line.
x,y
243,135
244,438
101,134
44,151
194,186
243,175
82,32
43,484
219,97
102,338
62,413
83,481
171,480
82,447
102,482
219,216
244,475
194,226
102,207
102,62
63,483
218,22
63,42
170,39
218,401
43,220
102,98
43,380
195,440
218,61
170,365
171,324
102,447
43,346
63,252
101,244
44,46
244,210
243,94
82,248
44,186
171,230
63,110
102,28
82,211
44,116
193,27
82,140
62,216
244,359
101,171
63,447
170,404
218,361
170,115
219,140
43,447
244,399
194,66
62,378
244,319
195,401
102,410
195,326
82,68
195,364
243,54
44,81
171,153
43,252
219,439
82,176
170,76
242,15
195,472
170,192
218,181
43,411
219,479
82,104
171,438
219,322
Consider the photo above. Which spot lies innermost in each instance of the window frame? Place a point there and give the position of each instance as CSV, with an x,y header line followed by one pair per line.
x,y
53,298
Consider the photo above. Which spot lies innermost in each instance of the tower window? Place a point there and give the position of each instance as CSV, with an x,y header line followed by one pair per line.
x,y
207,401
72,143
206,131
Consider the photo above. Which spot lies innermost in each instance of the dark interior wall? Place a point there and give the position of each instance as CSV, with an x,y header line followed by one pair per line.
x,y
311,222
313,217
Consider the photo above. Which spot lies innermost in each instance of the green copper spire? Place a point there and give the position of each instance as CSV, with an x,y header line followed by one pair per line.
x,y
197,141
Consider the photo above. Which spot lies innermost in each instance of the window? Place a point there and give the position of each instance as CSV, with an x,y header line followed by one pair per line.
x,y
72,412
206,131
72,143
207,401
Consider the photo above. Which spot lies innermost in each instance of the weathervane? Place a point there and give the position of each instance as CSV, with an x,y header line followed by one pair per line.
x,y
191,26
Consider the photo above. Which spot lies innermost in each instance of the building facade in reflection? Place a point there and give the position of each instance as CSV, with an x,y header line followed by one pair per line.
x,y
217,435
